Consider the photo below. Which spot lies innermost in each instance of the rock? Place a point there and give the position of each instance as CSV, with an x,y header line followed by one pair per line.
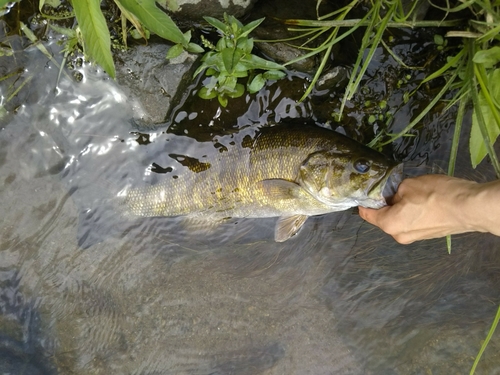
x,y
150,80
283,53
274,28
333,79
196,9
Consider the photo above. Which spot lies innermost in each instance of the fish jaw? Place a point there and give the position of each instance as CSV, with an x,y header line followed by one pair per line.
x,y
392,183
381,194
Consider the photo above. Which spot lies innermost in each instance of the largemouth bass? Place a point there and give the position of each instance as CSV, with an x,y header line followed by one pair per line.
x,y
285,171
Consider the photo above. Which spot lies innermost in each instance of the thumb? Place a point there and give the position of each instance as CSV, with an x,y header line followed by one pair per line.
x,y
373,216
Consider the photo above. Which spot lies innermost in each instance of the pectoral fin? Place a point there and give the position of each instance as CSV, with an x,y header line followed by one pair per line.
x,y
281,189
287,226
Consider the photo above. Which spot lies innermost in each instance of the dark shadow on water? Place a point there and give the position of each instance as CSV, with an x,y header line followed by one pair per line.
x,y
24,348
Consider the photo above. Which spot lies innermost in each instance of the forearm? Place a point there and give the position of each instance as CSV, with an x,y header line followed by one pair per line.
x,y
484,208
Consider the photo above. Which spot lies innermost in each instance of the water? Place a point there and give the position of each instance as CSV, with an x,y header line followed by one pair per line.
x,y
157,297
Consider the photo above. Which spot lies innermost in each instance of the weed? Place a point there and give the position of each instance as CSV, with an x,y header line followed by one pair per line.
x,y
231,59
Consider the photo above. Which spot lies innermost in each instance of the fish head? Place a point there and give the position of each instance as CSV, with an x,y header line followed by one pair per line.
x,y
343,180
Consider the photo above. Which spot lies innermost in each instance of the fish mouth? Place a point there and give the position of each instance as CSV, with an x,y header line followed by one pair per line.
x,y
392,183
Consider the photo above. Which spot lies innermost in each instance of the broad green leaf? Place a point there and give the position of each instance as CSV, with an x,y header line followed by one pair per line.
x,y
199,70
154,19
222,100
187,36
195,48
210,72
489,57
227,84
171,5
221,26
174,51
213,61
227,55
139,31
494,87
206,93
257,83
245,44
438,39
209,56
257,62
476,141
95,33
221,44
235,23
239,90
247,29
240,70
274,74
230,58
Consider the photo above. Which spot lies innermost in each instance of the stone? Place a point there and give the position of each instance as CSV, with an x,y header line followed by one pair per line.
x,y
196,9
333,79
151,81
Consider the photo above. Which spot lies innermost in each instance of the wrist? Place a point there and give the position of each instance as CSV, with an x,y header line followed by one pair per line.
x,y
483,207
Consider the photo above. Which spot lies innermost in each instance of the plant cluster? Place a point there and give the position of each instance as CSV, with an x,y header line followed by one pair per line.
x,y
231,59
472,72
92,32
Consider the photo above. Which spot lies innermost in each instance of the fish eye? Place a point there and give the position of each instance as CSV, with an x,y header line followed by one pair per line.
x,y
362,165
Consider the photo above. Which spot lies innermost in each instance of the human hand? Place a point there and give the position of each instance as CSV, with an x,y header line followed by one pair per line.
x,y
431,206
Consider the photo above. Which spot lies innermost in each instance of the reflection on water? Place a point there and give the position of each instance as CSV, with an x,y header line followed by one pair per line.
x,y
158,296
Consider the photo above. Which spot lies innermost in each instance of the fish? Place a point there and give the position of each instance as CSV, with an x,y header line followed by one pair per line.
x,y
286,171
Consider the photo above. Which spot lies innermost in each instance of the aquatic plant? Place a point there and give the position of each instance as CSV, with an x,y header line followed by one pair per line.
x,y
470,73
231,59
92,32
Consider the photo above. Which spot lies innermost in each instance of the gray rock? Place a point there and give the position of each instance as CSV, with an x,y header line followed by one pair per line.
x,y
196,9
333,79
273,28
283,53
150,80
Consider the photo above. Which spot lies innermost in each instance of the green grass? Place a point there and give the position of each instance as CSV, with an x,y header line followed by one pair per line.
x,y
486,341
470,72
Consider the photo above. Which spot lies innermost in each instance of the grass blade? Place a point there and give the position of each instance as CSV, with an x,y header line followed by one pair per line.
x,y
356,76
486,341
454,147
417,119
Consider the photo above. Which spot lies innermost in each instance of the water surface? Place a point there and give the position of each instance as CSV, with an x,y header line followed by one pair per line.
x,y
157,296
